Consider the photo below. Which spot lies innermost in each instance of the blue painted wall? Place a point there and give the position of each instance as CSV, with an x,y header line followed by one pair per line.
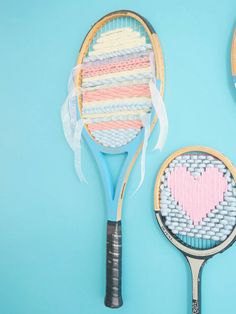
x,y
52,228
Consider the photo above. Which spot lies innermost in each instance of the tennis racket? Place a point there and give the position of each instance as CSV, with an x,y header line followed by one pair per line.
x,y
116,84
233,58
195,206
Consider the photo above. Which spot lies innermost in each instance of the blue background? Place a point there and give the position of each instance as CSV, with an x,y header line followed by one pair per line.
x,y
52,228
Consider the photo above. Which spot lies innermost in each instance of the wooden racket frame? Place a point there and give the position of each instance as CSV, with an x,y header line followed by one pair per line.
x,y
233,54
185,249
159,74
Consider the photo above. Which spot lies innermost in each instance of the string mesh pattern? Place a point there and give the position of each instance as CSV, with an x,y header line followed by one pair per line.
x,y
115,82
217,224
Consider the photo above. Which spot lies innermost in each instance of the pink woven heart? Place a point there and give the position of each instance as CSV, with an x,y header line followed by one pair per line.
x,y
197,195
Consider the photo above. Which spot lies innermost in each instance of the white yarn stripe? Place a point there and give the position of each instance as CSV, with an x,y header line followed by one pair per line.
x,y
108,40
119,84
116,31
121,40
127,117
112,113
129,45
115,108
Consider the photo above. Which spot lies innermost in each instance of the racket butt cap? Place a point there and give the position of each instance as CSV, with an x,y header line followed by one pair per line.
x,y
113,302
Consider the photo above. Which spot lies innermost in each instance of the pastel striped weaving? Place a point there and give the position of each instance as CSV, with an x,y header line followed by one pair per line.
x,y
115,86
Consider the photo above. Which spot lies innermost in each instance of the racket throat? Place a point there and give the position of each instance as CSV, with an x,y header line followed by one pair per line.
x,y
196,266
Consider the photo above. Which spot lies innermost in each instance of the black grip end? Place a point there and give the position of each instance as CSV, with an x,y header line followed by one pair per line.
x,y
113,297
113,302
195,307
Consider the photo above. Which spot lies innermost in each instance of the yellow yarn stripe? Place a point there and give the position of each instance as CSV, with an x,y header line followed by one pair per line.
x,y
118,113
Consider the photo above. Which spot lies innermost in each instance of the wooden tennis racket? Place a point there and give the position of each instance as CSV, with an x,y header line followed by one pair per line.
x,y
117,80
195,206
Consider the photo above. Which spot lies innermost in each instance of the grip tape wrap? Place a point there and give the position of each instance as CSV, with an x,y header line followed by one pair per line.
x,y
113,297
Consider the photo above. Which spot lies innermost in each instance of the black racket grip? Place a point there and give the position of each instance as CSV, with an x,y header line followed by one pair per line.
x,y
196,307
113,297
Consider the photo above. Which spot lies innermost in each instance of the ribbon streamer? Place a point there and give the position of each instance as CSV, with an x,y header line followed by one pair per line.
x,y
159,106
77,150
67,122
72,127
146,121
160,109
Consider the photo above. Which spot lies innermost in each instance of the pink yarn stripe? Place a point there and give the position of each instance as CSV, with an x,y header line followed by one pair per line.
x,y
112,67
199,195
141,90
135,124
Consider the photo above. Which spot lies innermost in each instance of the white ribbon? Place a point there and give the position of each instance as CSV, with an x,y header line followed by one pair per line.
x,y
67,122
160,109
77,150
146,121
72,127
71,82
159,106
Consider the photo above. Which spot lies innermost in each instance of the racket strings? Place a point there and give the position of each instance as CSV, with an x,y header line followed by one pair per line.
x,y
176,201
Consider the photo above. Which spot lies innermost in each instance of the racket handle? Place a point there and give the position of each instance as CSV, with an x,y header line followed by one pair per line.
x,y
113,297
196,269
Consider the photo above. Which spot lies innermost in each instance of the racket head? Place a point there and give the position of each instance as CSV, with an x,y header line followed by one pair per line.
x,y
196,247
132,148
233,58
111,21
